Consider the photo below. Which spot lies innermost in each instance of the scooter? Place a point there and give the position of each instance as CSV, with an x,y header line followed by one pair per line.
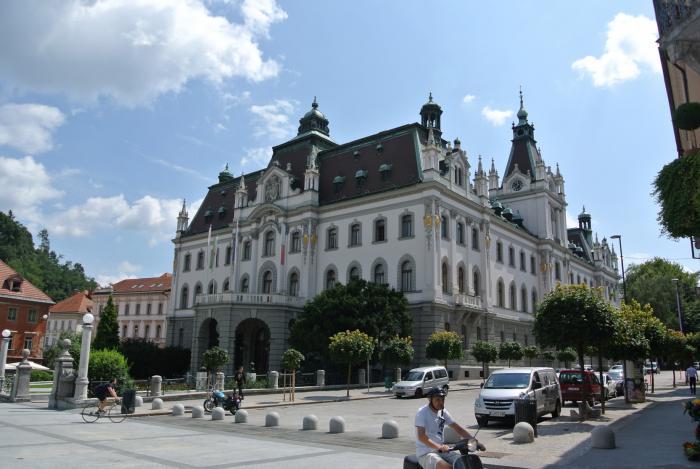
x,y
217,398
468,460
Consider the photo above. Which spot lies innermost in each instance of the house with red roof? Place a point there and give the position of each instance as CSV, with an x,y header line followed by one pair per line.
x,y
67,315
23,310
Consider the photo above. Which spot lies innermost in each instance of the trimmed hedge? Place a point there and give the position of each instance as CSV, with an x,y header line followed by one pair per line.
x,y
147,359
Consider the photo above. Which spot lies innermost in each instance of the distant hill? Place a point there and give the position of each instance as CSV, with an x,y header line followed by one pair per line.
x,y
40,265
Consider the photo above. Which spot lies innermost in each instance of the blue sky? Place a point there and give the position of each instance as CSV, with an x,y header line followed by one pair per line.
x,y
112,111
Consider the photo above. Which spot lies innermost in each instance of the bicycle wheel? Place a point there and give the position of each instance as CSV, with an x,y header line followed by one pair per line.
x,y
89,413
115,413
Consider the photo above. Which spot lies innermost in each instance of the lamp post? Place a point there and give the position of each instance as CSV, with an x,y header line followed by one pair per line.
x,y
622,263
6,333
81,383
678,305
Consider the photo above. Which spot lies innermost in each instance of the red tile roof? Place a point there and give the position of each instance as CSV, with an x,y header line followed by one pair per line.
x,y
78,303
27,291
144,285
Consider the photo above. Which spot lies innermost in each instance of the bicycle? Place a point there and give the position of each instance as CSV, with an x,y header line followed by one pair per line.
x,y
90,414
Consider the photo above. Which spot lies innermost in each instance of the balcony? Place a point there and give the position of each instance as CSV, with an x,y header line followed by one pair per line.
x,y
462,299
249,298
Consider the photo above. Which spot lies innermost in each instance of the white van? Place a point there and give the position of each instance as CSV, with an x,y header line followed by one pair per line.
x,y
419,380
495,401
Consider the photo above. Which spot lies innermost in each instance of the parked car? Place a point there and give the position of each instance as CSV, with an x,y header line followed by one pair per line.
x,y
419,380
619,378
616,367
573,383
610,386
651,367
495,400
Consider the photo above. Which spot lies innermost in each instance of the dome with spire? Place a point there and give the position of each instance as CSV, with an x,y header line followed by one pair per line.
x,y
430,113
225,175
314,120
522,113
584,215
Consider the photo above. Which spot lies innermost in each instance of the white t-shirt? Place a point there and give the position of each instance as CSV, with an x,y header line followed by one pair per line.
x,y
691,372
434,424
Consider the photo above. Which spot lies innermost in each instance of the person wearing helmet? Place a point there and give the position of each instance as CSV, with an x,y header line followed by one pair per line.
x,y
431,419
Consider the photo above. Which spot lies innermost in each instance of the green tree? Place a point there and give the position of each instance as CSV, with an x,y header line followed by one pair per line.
x,y
678,195
510,351
55,350
651,283
444,345
398,351
547,355
676,350
350,348
215,359
530,352
375,309
567,356
107,364
485,353
291,361
107,336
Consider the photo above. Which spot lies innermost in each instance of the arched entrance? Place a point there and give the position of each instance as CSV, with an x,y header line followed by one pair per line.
x,y
253,345
208,336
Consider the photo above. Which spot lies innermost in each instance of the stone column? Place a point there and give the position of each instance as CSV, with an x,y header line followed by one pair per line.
x,y
63,378
81,383
361,376
320,378
273,379
20,390
3,356
155,385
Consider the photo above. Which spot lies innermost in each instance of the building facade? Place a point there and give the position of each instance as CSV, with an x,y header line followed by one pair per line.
x,y
141,305
67,315
472,252
23,310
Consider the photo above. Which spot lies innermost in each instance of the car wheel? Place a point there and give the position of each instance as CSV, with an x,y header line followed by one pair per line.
x,y
557,410
419,392
482,421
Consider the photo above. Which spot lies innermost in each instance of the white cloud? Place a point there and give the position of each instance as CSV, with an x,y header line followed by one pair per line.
x,y
24,185
130,50
273,120
29,127
256,157
630,44
495,116
105,280
571,221
181,169
468,98
126,266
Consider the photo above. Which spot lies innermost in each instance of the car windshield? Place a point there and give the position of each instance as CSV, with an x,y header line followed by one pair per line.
x,y
615,374
570,378
414,376
508,381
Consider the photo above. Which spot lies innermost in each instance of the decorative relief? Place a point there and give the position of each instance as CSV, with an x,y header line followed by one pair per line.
x,y
272,189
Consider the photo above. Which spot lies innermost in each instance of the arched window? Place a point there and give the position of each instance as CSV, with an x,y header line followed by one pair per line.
x,y
476,283
448,328
212,287
513,297
200,260
460,279
267,282
523,299
354,273
406,226
184,296
296,242
445,278
246,251
245,285
500,293
379,230
407,276
330,279
379,274
557,271
355,239
158,330
269,249
198,289
227,286
332,238
294,284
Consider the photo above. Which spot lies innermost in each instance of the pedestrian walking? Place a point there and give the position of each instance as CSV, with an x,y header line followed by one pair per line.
x,y
692,375
239,378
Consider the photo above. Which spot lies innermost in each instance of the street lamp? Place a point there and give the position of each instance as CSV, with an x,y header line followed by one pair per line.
x,y
3,356
622,263
678,305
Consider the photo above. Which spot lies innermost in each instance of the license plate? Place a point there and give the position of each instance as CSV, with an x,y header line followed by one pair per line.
x,y
573,389
498,413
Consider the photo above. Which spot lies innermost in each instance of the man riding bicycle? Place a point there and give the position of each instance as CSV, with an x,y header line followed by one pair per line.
x,y
431,419
103,391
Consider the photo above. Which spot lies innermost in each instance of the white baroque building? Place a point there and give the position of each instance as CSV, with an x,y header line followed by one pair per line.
x,y
471,254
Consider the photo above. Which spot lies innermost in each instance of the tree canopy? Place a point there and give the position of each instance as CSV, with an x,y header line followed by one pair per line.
x,y
215,359
444,345
510,351
485,353
398,351
530,352
350,347
375,309
107,336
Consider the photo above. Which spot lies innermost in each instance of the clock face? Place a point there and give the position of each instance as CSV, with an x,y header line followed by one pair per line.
x,y
517,185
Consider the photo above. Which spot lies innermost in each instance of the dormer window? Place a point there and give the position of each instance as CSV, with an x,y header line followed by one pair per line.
x,y
13,283
338,182
380,148
385,171
208,214
361,177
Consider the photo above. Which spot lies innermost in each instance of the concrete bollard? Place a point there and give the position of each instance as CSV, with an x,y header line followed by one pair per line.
x,y
197,412
157,404
241,416
272,419
274,378
390,429
397,375
218,413
178,409
156,382
220,381
523,433
320,378
361,376
310,422
450,436
138,402
603,438
336,425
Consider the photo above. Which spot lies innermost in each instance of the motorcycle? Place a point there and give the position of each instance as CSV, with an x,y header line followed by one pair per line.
x,y
217,398
468,459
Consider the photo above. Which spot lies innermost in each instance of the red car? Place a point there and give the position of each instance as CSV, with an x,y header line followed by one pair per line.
x,y
573,382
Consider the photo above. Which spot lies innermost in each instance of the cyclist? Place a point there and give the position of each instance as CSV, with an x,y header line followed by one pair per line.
x,y
103,391
431,450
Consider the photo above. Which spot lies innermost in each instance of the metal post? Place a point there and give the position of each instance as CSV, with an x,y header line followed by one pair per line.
x,y
3,356
81,383
678,306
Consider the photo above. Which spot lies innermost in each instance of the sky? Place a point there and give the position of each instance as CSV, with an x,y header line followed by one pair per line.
x,y
114,111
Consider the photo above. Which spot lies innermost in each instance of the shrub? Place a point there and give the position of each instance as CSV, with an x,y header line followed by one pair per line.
x,y
398,351
444,345
677,192
147,359
108,364
215,358
38,375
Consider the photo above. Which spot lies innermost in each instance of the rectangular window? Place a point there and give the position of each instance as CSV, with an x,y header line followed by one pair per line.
x,y
503,336
355,235
160,308
533,269
200,260
147,331
475,239
28,342
229,252
188,262
332,241
31,316
246,251
12,314
407,226
511,257
124,332
522,261
136,330
499,252
148,309
296,242
181,337
138,309
101,308
379,231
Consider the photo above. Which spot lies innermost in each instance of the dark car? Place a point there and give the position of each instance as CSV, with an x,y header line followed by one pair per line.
x,y
574,382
